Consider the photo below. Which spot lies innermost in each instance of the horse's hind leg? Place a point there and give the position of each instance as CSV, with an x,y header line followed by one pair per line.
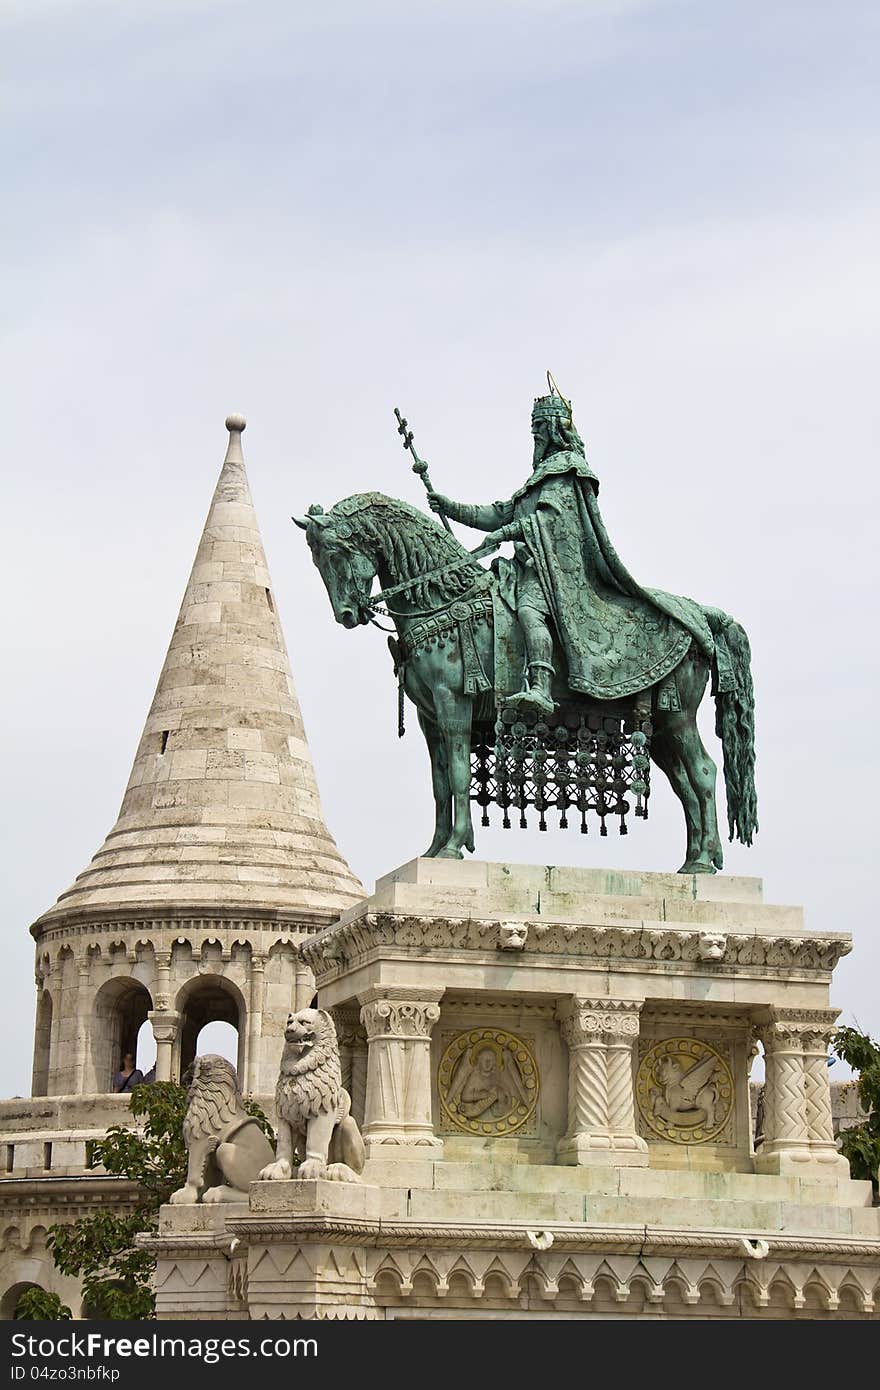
x,y
666,752
702,773
440,783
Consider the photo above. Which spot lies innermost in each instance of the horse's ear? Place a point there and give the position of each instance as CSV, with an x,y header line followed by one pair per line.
x,y
301,522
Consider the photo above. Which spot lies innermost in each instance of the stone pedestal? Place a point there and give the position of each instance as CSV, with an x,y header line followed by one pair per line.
x,y
601,1034
579,1041
585,1017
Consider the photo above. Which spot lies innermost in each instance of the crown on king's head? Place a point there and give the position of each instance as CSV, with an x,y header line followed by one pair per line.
x,y
552,407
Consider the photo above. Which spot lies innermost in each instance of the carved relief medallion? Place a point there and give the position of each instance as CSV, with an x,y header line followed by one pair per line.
x,y
488,1082
684,1090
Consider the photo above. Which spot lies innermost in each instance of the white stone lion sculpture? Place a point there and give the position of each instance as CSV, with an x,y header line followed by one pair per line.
x,y
314,1118
226,1148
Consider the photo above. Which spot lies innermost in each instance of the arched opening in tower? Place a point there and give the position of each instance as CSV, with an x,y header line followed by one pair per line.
x,y
220,1038
206,1000
145,1051
42,1045
12,1296
121,1008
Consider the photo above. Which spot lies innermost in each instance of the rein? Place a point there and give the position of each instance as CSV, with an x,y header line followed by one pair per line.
x,y
383,594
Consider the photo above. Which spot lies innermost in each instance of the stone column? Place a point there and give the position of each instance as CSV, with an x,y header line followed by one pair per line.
x,y
166,1030
162,995
303,985
398,1122
83,1014
352,1056
797,1096
601,1036
255,1022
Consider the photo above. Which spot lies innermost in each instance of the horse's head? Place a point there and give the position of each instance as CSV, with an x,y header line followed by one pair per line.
x,y
347,571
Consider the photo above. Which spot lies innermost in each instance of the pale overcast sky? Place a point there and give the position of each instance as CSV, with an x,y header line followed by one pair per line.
x,y
315,213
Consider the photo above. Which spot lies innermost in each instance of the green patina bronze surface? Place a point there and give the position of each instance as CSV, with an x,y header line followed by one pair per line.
x,y
548,679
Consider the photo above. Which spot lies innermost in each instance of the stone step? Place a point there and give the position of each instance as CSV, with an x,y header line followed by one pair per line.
x,y
756,1216
638,1183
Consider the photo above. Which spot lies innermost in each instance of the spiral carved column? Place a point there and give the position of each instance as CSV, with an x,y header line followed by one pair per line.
x,y
398,1117
601,1035
797,1119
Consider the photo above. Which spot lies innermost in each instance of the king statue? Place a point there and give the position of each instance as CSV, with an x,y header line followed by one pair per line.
x,y
551,680
616,637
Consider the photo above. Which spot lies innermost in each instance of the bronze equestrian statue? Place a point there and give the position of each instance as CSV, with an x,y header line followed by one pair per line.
x,y
554,673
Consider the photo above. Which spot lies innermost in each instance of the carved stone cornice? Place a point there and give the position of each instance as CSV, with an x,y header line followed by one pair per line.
x,y
416,1235
511,1008
288,926
350,942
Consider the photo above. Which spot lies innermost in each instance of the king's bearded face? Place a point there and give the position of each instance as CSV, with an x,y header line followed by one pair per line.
x,y
541,436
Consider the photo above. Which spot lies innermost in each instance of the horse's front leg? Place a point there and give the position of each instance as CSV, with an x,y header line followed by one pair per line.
x,y
454,718
440,783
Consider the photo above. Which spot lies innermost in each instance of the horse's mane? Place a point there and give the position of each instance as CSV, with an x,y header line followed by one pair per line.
x,y
411,543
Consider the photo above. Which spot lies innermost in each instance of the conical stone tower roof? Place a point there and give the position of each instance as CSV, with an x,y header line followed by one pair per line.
x,y
221,810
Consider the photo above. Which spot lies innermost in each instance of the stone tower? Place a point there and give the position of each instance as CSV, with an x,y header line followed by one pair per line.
x,y
219,862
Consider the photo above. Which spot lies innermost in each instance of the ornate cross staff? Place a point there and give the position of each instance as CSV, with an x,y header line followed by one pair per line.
x,y
419,465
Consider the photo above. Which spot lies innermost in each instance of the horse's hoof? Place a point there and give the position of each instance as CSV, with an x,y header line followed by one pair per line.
x,y
697,866
449,853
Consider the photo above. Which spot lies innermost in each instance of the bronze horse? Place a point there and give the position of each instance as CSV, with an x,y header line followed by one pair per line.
x,y
424,573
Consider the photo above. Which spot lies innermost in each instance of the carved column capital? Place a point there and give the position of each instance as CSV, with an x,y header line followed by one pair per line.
x,y
165,1024
797,1030
585,1021
400,1013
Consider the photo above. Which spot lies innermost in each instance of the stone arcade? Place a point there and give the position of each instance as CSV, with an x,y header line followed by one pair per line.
x,y
549,1067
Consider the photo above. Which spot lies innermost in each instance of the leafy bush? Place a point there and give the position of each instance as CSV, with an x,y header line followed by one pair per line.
x,y
861,1143
37,1305
116,1275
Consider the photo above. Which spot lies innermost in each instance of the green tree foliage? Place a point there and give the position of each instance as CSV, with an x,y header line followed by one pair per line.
x,y
861,1143
101,1249
37,1305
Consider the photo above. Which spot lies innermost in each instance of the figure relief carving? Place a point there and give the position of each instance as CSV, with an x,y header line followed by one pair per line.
x,y
226,1148
313,1107
488,1082
684,1090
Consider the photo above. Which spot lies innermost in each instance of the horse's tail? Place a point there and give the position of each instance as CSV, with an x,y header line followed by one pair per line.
x,y
735,721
